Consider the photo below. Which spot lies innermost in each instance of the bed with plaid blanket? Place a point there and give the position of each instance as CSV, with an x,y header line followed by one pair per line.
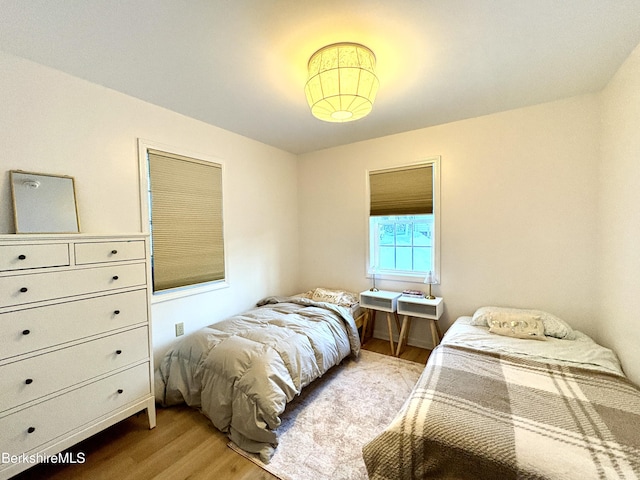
x,y
483,414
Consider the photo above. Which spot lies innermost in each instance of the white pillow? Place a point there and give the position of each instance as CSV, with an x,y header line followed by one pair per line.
x,y
553,326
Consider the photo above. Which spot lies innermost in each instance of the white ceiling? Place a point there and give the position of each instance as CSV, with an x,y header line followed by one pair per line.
x,y
241,64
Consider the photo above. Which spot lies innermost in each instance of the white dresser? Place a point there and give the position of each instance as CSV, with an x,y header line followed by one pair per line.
x,y
75,348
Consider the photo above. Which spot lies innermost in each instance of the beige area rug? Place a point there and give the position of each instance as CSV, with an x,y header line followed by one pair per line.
x,y
323,430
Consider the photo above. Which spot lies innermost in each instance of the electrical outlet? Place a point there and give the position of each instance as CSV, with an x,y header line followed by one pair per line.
x,y
179,329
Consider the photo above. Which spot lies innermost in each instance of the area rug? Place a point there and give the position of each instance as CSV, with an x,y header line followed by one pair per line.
x,y
323,430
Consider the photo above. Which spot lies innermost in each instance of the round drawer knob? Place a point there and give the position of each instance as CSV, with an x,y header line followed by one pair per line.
x,y
26,332
116,312
29,381
115,277
31,429
120,390
114,252
24,289
22,257
118,352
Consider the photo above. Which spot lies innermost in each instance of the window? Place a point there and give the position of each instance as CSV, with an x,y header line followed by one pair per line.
x,y
184,196
402,242
403,221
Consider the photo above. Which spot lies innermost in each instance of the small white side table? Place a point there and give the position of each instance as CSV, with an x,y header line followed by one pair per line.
x,y
382,301
421,308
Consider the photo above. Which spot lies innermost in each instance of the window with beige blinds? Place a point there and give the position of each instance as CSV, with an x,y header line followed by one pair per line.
x,y
404,221
187,240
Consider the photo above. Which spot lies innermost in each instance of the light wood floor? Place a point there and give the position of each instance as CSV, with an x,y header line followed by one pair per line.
x,y
183,445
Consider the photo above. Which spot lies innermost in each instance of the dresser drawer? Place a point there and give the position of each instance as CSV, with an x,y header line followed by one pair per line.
x,y
22,257
98,252
23,289
35,377
36,425
31,329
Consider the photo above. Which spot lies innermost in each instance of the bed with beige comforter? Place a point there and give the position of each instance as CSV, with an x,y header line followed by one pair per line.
x,y
241,372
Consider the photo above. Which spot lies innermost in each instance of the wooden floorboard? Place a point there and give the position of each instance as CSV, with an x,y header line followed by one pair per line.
x,y
183,445
414,354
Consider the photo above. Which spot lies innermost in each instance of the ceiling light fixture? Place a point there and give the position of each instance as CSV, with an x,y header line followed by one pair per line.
x,y
342,82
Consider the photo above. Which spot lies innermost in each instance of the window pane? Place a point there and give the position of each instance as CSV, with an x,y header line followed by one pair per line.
x,y
403,234
387,232
422,259
422,234
387,258
403,258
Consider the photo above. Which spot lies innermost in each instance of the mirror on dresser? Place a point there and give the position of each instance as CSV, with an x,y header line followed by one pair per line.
x,y
44,203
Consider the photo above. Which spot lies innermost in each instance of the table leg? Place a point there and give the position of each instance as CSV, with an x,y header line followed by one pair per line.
x,y
435,336
404,331
395,314
393,350
365,325
438,329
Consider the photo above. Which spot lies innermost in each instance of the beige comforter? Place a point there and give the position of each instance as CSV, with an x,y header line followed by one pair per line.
x,y
244,370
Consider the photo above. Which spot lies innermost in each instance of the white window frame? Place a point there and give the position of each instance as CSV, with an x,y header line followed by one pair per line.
x,y
407,276
143,147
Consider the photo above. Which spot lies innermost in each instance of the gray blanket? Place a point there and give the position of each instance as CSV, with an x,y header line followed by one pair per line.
x,y
244,370
483,415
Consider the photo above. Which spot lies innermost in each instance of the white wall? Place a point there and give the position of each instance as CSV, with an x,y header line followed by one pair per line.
x,y
518,211
619,182
51,122
539,205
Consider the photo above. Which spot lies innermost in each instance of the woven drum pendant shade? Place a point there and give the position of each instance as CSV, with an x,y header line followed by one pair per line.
x,y
342,83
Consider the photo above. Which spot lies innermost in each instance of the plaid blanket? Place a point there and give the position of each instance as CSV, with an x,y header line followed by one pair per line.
x,y
485,415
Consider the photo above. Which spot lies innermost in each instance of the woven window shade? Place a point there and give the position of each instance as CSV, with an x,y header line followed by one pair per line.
x,y
402,191
186,220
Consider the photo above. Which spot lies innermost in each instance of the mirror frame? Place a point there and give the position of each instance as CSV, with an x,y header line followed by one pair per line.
x,y
21,212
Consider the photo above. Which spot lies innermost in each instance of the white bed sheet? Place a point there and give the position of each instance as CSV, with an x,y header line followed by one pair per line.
x,y
581,352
